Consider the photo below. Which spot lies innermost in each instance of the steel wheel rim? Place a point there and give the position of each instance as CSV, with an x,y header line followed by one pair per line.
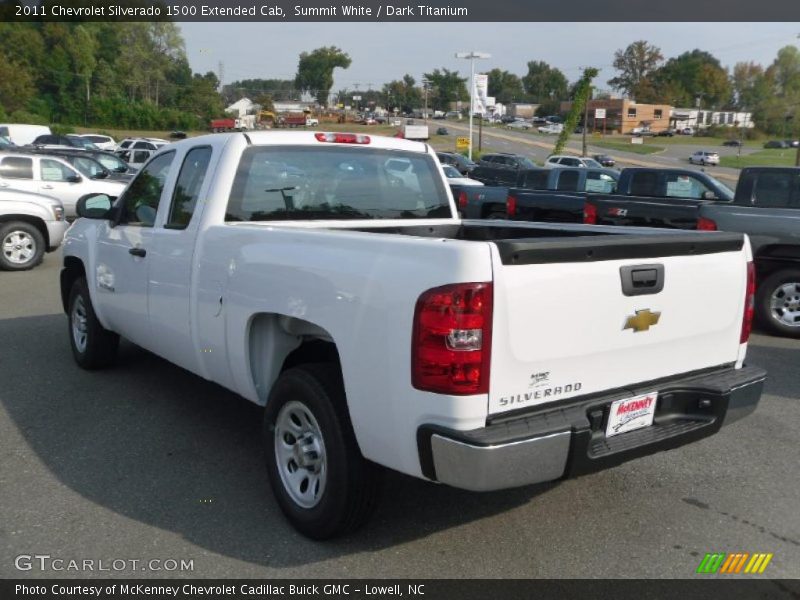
x,y
300,454
78,318
19,247
785,304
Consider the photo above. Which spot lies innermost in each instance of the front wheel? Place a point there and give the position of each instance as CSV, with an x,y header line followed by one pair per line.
x,y
21,246
778,302
93,346
322,483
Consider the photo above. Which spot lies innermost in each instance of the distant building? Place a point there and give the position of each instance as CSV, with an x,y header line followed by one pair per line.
x,y
293,106
681,118
625,116
521,110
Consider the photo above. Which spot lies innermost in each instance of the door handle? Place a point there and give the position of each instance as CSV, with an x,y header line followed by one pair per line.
x,y
141,252
4,184
47,187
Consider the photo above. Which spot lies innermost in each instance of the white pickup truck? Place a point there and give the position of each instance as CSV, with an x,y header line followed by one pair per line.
x,y
301,271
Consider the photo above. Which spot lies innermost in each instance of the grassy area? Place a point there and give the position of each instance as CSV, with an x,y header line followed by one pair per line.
x,y
626,147
764,158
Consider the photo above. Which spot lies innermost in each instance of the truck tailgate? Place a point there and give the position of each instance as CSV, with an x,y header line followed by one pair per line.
x,y
565,322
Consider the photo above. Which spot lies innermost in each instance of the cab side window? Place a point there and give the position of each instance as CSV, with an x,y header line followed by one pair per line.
x,y
567,181
685,186
52,170
15,167
141,198
187,188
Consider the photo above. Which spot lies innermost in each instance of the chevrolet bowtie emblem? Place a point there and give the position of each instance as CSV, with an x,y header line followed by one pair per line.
x,y
642,320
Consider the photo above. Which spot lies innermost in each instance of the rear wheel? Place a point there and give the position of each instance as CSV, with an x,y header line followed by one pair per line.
x,y
93,346
496,214
778,302
321,482
21,246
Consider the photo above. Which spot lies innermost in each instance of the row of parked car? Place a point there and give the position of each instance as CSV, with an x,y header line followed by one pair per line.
x,y
765,205
42,177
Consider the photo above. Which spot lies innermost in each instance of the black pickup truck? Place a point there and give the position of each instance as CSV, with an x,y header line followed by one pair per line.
x,y
668,198
559,183
766,207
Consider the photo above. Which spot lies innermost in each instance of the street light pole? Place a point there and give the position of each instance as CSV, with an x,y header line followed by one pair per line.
x,y
471,56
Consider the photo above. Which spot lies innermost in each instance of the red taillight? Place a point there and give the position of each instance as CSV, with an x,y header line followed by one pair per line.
x,y
704,224
511,206
589,213
452,339
342,138
462,199
749,303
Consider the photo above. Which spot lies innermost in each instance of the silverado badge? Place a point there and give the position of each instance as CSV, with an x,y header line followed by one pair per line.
x,y
642,320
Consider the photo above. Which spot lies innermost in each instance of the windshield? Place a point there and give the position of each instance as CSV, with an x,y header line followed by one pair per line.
x,y
335,182
450,172
111,162
526,163
726,192
590,162
88,166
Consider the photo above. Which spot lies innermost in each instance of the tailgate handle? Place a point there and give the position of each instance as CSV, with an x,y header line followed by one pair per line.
x,y
638,280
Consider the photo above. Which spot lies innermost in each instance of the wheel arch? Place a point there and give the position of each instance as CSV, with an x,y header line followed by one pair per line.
x,y
72,270
37,222
278,342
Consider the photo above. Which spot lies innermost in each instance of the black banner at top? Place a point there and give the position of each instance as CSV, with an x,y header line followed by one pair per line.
x,y
410,11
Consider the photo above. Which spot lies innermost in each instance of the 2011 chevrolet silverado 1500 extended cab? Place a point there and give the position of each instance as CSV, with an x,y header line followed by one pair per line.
x,y
299,270
767,208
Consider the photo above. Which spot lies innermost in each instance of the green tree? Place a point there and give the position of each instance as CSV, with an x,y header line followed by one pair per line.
x,y
544,83
402,94
693,75
446,87
583,91
16,85
636,64
315,71
504,86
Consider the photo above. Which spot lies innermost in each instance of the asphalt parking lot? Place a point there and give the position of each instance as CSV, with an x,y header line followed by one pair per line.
x,y
146,461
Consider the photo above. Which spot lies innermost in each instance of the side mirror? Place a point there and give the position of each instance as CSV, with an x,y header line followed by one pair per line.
x,y
708,195
94,206
74,179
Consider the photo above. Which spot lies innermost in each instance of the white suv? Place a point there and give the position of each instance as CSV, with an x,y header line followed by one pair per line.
x,y
702,157
565,160
51,176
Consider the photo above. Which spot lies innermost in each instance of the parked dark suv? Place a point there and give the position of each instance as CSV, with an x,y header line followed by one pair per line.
x,y
459,161
501,168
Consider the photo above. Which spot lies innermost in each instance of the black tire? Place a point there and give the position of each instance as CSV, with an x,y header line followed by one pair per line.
x,y
352,483
22,246
496,214
763,308
100,347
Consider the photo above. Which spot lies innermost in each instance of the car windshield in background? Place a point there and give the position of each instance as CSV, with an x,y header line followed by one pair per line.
x,y
335,182
526,163
727,193
88,166
590,162
112,163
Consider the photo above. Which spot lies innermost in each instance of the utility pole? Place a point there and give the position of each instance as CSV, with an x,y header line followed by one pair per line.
x,y
585,124
471,56
425,83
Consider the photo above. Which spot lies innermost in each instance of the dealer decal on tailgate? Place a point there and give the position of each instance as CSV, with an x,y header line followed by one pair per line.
x,y
629,414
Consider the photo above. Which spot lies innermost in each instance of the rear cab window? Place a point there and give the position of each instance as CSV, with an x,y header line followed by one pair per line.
x,y
315,183
777,190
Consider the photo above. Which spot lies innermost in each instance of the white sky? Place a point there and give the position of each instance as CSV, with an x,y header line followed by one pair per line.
x,y
385,51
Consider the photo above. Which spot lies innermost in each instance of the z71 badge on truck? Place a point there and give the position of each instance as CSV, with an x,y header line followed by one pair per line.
x,y
326,277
